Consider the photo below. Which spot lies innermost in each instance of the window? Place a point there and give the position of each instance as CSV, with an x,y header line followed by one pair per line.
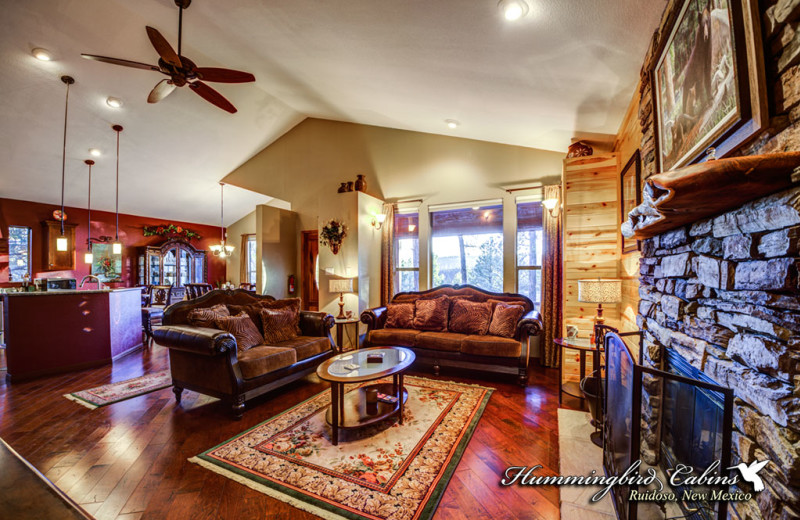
x,y
467,246
251,259
19,253
529,250
406,252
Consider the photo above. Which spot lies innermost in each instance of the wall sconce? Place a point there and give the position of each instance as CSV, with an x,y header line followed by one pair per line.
x,y
552,206
378,220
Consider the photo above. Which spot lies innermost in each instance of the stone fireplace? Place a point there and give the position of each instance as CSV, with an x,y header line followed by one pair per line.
x,y
724,294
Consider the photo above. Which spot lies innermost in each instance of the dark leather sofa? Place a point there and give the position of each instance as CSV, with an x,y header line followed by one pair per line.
x,y
206,360
452,349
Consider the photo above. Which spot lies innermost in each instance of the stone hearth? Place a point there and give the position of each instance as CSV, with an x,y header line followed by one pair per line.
x,y
724,293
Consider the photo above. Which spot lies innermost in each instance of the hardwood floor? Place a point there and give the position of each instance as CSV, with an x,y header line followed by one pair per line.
x,y
128,461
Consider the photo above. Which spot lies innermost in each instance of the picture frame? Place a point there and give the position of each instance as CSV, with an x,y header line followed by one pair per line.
x,y
630,195
708,82
105,264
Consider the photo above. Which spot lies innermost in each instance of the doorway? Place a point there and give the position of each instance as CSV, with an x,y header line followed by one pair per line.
x,y
309,270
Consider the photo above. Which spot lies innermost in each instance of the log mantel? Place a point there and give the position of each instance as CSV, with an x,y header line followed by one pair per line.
x,y
675,198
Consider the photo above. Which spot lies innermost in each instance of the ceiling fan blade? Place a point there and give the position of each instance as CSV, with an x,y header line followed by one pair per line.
x,y
223,75
162,89
212,96
163,47
125,63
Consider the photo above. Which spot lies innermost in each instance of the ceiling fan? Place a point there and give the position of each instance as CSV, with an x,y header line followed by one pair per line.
x,y
181,70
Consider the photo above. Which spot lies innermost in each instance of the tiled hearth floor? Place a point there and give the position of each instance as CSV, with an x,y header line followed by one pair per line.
x,y
128,460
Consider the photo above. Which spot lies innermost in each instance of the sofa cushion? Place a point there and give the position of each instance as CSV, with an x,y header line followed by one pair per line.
x,y
254,309
242,328
306,346
263,359
432,314
491,346
394,337
468,317
505,319
206,316
447,341
280,324
400,316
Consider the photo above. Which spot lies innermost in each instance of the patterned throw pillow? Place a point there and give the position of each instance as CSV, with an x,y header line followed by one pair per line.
x,y
505,319
243,329
254,309
469,317
279,324
400,316
432,314
206,316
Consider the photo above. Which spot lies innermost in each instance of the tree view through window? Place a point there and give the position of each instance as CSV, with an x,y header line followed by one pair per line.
x,y
406,252
467,247
529,250
19,252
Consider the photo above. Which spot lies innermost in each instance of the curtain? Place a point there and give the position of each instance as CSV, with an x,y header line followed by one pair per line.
x,y
243,261
387,255
552,271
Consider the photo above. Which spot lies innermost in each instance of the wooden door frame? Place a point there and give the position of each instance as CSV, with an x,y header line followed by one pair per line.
x,y
307,237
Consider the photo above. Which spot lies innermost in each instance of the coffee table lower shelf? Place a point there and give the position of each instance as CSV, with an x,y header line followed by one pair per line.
x,y
356,413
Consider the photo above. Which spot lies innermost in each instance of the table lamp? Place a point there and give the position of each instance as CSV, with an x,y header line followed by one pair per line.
x,y
600,291
342,285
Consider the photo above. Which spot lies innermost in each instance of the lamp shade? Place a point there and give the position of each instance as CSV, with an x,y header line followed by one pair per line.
x,y
600,291
344,285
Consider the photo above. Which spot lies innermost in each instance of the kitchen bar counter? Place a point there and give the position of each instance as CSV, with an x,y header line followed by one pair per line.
x,y
51,332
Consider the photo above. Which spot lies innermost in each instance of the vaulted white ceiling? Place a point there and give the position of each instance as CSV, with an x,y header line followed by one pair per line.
x,y
569,68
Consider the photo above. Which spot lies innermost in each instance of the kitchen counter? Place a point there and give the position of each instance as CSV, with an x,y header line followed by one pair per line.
x,y
61,331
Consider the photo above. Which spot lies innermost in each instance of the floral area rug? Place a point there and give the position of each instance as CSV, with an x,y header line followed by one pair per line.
x,y
115,392
383,471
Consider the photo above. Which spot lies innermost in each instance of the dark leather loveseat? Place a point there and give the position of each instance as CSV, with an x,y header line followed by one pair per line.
x,y
206,360
507,354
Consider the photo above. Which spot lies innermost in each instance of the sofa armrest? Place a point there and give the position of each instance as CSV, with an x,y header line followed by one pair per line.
x,y
198,340
374,318
530,325
315,323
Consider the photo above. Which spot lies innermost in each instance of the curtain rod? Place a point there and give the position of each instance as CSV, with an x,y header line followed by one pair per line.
x,y
512,190
406,201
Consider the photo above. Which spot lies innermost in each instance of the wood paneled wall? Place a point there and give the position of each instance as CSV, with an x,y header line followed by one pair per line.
x,y
591,233
626,143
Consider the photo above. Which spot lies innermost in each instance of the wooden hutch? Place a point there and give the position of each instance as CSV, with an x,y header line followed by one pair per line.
x,y
175,261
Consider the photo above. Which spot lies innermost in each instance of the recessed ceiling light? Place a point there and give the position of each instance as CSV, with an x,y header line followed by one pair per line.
x,y
95,152
513,9
42,54
452,123
114,102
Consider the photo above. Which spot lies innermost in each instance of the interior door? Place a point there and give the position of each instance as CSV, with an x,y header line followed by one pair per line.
x,y
309,267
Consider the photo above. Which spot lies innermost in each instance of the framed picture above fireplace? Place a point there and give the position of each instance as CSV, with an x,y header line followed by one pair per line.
x,y
708,82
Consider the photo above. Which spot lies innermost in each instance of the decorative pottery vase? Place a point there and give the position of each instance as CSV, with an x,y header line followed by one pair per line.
x,y
342,188
579,149
350,186
335,247
361,183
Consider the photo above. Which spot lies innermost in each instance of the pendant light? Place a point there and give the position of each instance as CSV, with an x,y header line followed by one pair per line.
x,y
222,249
62,243
116,247
88,257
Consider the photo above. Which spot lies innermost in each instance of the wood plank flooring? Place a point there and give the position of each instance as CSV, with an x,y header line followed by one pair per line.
x,y
128,461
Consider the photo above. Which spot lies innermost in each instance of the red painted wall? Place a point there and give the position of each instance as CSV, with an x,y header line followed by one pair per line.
x,y
32,214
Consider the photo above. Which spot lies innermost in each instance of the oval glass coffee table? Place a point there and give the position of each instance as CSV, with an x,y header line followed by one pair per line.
x,y
351,410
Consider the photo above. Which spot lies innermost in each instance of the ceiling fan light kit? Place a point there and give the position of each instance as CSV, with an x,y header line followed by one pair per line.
x,y
181,71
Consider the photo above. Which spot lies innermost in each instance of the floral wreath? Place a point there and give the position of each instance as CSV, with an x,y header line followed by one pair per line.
x,y
170,230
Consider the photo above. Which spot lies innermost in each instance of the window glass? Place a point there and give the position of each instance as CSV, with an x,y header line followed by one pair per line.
x,y
406,252
251,259
529,250
19,253
467,247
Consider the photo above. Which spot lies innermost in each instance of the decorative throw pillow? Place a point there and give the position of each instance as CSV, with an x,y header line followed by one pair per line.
x,y
206,316
432,314
400,316
243,329
254,310
505,319
469,317
279,324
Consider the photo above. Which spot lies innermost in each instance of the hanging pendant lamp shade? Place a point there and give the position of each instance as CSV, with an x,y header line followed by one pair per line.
x,y
62,243
88,257
116,247
222,249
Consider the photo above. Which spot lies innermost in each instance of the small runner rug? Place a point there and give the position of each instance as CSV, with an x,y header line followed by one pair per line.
x,y
382,471
115,392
